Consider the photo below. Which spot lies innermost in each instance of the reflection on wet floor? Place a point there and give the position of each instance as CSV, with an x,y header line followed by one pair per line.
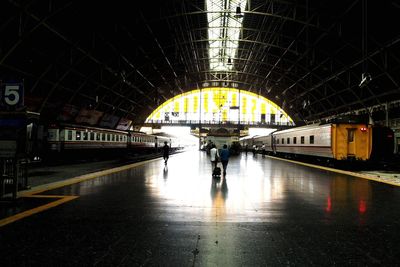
x,y
264,212
260,189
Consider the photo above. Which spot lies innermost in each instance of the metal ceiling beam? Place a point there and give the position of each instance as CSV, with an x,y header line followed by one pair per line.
x,y
51,83
350,66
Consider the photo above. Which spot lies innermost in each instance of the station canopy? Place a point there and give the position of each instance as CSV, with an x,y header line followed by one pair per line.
x,y
117,60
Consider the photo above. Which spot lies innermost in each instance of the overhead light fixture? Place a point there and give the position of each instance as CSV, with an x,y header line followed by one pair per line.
x,y
365,79
238,13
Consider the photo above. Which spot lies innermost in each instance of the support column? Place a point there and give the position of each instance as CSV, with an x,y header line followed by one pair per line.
x,y
387,114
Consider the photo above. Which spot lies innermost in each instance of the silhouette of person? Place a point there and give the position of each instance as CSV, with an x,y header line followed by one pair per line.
x,y
165,152
224,157
214,156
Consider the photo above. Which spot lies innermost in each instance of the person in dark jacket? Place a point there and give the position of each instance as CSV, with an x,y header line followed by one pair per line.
x,y
165,152
224,155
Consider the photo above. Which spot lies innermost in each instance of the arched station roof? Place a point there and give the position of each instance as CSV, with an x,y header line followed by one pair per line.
x,y
125,58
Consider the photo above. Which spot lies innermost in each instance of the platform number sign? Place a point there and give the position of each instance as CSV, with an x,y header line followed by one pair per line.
x,y
12,96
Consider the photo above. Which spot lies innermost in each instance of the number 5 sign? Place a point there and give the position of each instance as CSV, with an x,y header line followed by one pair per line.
x,y
11,96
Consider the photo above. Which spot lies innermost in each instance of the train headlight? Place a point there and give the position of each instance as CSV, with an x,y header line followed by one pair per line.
x,y
363,129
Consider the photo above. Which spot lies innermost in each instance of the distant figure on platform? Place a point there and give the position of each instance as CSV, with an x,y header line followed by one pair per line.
x,y
254,150
165,152
247,148
224,157
214,155
263,150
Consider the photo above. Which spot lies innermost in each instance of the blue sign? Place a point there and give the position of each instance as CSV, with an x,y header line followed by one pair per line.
x,y
11,96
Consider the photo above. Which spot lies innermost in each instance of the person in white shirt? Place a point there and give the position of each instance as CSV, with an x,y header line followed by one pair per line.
x,y
214,155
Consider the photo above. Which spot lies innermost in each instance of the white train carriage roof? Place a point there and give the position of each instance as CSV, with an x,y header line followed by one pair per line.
x,y
84,127
303,128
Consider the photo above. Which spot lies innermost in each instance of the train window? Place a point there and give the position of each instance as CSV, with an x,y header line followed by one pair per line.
x,y
92,136
283,141
78,135
311,139
302,140
277,141
85,135
98,136
69,136
108,137
294,140
113,137
103,136
288,140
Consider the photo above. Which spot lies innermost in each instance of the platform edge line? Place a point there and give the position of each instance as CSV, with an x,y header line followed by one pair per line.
x,y
358,175
81,178
33,211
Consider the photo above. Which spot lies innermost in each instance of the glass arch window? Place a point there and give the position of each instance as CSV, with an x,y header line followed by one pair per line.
x,y
220,105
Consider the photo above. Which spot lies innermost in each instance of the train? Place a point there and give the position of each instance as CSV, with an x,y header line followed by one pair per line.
x,y
73,139
331,141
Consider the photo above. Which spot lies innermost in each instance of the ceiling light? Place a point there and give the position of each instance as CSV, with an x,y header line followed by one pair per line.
x,y
238,13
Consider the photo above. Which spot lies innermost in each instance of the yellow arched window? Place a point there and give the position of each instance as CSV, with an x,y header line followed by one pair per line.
x,y
220,105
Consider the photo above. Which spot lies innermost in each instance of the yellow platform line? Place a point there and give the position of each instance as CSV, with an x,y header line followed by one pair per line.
x,y
355,174
78,179
42,188
33,211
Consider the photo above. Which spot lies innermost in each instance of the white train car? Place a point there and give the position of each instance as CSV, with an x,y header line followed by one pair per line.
x,y
78,138
339,141
65,138
312,140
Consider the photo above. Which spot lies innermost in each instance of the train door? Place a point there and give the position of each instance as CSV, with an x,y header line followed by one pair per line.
x,y
273,144
351,142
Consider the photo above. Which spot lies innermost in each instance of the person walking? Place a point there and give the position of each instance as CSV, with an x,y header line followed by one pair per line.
x,y
214,155
224,157
165,152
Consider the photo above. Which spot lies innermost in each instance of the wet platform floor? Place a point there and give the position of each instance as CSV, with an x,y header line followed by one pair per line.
x,y
265,212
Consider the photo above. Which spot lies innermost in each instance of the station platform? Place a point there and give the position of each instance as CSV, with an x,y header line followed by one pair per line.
x,y
264,212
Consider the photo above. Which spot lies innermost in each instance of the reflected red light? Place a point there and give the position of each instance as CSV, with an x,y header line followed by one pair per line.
x,y
328,204
363,129
362,206
390,136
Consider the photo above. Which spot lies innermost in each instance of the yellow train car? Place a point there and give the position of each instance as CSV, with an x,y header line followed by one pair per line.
x,y
351,141
338,141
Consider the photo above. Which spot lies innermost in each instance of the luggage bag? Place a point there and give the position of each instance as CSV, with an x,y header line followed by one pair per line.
x,y
217,171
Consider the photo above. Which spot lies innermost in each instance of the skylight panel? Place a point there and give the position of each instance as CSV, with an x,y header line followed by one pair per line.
x,y
224,27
